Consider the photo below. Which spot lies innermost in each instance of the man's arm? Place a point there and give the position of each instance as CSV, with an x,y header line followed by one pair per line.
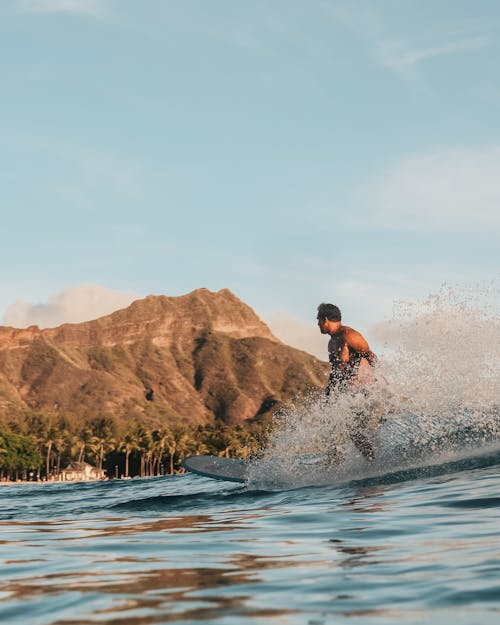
x,y
358,343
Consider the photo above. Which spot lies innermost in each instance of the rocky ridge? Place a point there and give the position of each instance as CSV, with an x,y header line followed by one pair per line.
x,y
196,357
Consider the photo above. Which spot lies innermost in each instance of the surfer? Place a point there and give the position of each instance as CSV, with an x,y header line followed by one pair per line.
x,y
351,360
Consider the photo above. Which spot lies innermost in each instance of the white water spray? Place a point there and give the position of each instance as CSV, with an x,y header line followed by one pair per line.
x,y
436,395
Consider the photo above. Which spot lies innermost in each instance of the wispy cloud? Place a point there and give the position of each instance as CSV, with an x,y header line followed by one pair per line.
x,y
85,177
93,8
397,54
366,297
451,189
299,334
403,49
73,305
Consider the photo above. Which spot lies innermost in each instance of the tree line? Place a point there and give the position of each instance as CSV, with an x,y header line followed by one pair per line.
x,y
40,446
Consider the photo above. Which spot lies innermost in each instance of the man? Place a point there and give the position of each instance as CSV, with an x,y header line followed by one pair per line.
x,y
351,359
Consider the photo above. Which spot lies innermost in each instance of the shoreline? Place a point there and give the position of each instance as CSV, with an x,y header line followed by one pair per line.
x,y
105,479
18,482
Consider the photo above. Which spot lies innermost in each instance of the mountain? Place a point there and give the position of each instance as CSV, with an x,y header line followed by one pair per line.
x,y
196,357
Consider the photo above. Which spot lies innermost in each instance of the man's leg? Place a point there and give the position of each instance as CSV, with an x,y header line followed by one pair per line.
x,y
363,444
358,438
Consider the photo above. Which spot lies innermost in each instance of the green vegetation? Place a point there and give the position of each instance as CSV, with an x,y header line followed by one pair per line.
x,y
18,455
40,445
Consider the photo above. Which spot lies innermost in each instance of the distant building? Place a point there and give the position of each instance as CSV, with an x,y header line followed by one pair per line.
x,y
81,472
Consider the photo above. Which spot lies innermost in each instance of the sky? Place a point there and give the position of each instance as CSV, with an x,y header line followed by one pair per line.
x,y
292,151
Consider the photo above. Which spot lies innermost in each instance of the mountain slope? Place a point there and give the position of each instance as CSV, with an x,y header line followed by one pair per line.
x,y
196,357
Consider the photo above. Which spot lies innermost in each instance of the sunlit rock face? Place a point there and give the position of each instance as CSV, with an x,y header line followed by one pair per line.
x,y
194,357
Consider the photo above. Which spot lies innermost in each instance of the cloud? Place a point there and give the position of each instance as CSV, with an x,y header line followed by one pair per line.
x,y
402,46
83,177
73,305
450,189
93,8
299,334
367,296
398,55
363,303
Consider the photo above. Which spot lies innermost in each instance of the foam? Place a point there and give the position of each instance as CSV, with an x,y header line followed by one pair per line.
x,y
437,388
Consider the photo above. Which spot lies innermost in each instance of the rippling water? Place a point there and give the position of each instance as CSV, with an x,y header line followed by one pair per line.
x,y
408,538
419,546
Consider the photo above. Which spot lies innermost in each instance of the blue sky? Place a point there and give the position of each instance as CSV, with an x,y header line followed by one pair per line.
x,y
294,152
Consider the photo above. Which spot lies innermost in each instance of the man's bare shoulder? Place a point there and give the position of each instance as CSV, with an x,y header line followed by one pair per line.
x,y
350,331
354,338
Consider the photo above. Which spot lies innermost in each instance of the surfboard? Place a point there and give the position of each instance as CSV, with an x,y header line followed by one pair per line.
x,y
228,469
236,470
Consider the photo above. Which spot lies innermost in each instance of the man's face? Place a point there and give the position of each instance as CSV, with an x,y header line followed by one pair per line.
x,y
322,325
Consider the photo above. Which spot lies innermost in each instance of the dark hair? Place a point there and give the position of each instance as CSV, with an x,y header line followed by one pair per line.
x,y
329,311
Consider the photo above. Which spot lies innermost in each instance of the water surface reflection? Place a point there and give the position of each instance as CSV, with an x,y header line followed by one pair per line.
x,y
320,556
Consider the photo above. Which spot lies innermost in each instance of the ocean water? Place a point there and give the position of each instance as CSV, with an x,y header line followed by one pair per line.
x,y
412,537
418,545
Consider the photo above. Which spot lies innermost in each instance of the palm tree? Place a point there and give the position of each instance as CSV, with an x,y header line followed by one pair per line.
x,y
43,433
189,445
79,443
101,440
226,440
161,440
48,442
146,445
171,446
3,454
100,445
127,445
60,442
178,442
